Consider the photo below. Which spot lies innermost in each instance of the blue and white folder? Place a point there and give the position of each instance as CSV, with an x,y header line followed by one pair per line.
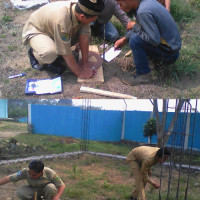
x,y
45,86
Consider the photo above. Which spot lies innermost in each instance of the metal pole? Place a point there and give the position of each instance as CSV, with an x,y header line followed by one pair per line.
x,y
104,41
123,122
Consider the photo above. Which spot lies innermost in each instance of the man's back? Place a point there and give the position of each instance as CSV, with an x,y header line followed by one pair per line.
x,y
159,25
142,153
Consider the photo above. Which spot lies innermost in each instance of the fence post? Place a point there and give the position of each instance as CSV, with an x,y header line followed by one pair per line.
x,y
187,132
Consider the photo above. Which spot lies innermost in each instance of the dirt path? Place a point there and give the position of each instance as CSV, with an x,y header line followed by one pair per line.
x,y
4,135
14,60
11,129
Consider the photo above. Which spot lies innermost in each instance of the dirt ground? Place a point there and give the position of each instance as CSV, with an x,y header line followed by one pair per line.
x,y
14,60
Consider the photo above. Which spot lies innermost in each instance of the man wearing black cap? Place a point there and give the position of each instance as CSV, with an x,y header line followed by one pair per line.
x,y
42,181
54,28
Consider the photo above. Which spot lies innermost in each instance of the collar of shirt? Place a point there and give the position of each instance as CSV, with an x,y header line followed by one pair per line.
x,y
44,175
74,20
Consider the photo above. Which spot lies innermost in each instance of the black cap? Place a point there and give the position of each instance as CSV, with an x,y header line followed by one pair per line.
x,y
36,165
90,7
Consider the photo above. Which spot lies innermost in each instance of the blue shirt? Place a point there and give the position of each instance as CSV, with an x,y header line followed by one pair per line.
x,y
156,26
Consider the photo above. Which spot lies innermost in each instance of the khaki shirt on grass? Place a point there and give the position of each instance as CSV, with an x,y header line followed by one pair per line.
x,y
57,21
145,157
49,176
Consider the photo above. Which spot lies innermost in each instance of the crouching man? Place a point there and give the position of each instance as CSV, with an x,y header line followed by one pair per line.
x,y
141,159
42,181
154,35
54,28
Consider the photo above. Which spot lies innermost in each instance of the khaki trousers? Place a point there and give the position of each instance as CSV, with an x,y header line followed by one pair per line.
x,y
44,48
27,192
138,192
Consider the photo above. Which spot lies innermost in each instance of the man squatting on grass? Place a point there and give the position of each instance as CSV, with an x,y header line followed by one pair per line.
x,y
54,28
154,35
141,159
42,181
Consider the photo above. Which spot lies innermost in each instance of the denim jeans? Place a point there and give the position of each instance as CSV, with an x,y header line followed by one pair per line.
x,y
111,33
142,50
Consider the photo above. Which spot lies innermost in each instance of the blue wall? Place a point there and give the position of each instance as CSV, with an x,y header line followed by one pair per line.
x,y
196,139
134,125
56,120
104,125
66,121
3,108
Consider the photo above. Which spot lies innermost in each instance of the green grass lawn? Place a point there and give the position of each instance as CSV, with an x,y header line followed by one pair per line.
x,y
56,144
90,177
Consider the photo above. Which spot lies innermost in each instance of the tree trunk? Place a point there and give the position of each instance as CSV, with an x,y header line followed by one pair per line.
x,y
174,119
160,123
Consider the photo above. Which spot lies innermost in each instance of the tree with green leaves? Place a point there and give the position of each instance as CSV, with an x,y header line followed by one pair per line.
x,y
150,128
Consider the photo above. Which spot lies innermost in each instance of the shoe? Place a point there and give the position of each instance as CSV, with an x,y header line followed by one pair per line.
x,y
56,67
138,79
33,61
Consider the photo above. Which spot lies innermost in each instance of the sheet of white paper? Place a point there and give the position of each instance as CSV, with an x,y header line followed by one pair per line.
x,y
111,54
49,86
56,85
43,87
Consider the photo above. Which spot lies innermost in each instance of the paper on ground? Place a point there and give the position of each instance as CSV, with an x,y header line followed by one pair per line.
x,y
48,86
111,54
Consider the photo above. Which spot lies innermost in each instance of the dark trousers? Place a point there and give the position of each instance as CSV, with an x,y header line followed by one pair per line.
x,y
142,50
111,33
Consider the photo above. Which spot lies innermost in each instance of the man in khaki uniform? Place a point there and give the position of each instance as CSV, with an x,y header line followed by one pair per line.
x,y
42,181
54,28
141,159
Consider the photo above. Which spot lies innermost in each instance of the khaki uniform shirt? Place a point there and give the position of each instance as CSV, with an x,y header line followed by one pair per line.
x,y
49,176
56,20
145,157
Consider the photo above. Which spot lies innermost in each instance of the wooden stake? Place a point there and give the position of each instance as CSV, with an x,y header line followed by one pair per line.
x,y
106,93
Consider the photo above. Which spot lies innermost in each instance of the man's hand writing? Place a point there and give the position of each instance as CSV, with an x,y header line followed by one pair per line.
x,y
87,73
120,43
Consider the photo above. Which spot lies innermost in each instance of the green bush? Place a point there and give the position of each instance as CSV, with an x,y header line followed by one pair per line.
x,y
17,112
150,128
